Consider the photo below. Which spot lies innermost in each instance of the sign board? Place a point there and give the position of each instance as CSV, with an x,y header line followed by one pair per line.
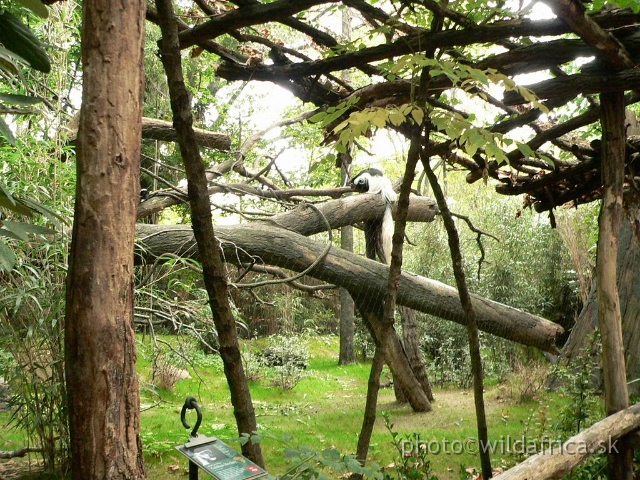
x,y
220,460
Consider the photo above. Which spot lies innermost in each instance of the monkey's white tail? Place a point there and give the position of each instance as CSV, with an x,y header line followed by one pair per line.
x,y
387,234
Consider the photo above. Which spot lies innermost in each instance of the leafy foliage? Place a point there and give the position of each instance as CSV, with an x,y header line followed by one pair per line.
x,y
309,464
287,358
31,323
18,45
21,231
409,465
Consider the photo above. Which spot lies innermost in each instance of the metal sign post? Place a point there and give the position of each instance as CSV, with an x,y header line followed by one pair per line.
x,y
213,455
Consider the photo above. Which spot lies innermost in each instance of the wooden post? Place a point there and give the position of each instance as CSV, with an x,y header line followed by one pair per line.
x,y
609,316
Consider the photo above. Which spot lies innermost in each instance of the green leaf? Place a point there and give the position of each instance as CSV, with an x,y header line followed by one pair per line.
x,y
4,193
317,117
341,126
18,38
353,465
549,160
7,258
526,150
479,76
8,202
9,234
23,230
379,118
37,7
8,61
418,115
396,118
22,100
6,132
43,210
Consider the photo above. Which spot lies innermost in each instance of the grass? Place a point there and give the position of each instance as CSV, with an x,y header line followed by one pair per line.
x,y
323,410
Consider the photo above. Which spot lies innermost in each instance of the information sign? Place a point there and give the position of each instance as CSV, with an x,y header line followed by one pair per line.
x,y
220,460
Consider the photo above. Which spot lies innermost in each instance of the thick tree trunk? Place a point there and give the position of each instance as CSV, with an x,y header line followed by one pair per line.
x,y
100,357
609,316
388,342
628,281
410,340
362,277
347,324
208,245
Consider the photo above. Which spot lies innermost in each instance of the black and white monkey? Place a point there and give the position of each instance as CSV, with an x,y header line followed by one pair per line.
x,y
378,234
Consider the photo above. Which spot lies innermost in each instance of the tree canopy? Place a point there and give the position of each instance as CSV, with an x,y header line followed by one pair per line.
x,y
529,139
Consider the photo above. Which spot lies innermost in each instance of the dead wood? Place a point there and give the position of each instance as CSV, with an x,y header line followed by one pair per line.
x,y
556,463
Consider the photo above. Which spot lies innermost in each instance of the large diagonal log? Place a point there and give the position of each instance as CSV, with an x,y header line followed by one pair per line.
x,y
601,437
362,277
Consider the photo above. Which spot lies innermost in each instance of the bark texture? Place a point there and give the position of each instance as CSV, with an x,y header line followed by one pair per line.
x,y
411,342
616,395
155,129
393,354
100,355
362,277
347,316
600,437
628,281
347,307
373,386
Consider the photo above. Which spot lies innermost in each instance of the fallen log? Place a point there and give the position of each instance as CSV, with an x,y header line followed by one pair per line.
x,y
601,437
155,129
363,278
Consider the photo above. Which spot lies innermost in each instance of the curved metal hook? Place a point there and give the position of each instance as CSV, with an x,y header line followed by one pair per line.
x,y
191,403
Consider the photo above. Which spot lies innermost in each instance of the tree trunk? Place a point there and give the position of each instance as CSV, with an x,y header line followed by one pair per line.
x,y
609,316
214,275
347,327
362,277
100,356
397,388
410,340
347,313
393,354
373,387
373,250
628,281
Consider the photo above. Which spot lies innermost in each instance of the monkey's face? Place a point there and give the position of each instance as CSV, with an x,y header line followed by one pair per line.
x,y
360,183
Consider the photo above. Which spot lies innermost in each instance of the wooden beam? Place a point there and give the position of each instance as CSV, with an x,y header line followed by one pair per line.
x,y
600,437
573,13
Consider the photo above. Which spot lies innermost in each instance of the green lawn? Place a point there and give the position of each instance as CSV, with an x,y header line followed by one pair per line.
x,y
324,410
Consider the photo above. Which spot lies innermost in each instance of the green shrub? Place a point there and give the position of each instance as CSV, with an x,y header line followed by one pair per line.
x,y
32,330
286,358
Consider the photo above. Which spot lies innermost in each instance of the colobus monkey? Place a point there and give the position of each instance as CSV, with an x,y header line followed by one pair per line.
x,y
378,236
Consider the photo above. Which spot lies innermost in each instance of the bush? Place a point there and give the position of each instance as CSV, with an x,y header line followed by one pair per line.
x,y
528,381
32,330
287,357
